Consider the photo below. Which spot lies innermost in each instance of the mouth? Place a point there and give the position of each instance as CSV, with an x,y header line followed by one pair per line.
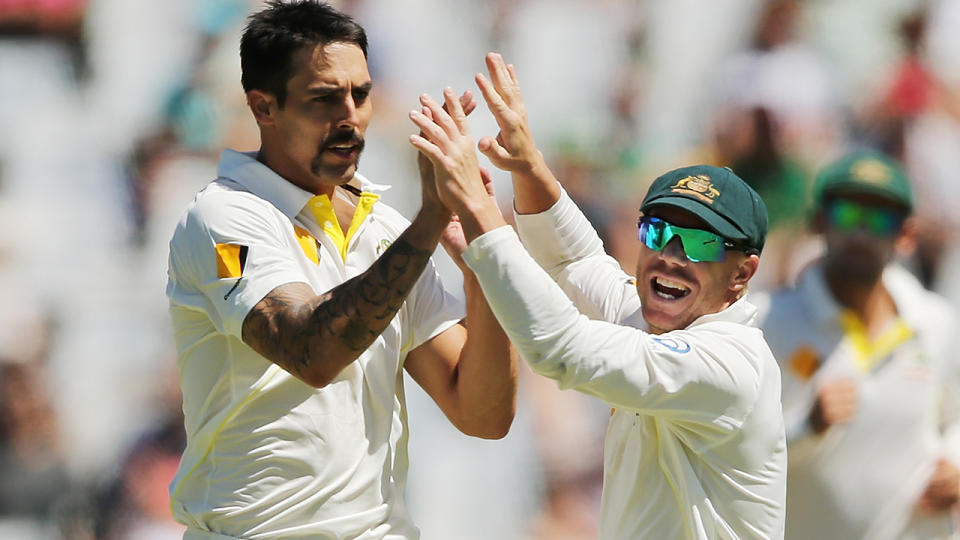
x,y
668,289
344,151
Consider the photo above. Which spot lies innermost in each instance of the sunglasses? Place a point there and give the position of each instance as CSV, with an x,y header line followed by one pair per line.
x,y
698,245
848,216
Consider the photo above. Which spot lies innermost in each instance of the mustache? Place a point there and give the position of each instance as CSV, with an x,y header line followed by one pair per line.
x,y
341,137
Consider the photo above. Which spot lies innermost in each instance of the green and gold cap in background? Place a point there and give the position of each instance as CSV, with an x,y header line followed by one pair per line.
x,y
717,196
864,171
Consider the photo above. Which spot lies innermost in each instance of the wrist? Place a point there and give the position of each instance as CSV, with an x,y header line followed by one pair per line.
x,y
478,218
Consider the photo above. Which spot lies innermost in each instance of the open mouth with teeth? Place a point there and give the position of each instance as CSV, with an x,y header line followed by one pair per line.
x,y
668,289
344,151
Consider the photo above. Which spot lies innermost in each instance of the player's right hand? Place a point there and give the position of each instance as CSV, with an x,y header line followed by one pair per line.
x,y
513,148
836,403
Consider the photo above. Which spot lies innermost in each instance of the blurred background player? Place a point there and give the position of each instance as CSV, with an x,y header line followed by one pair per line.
x,y
869,368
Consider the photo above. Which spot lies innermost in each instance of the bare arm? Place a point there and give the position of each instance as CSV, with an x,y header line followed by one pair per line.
x,y
315,336
535,189
471,373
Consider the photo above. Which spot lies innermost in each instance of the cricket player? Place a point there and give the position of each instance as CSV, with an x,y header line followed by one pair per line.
x,y
695,446
870,372
298,297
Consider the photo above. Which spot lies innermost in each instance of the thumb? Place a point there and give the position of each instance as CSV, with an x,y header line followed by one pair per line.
x,y
497,154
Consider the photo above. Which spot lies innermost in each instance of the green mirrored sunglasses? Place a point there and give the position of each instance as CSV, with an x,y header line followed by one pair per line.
x,y
698,245
849,216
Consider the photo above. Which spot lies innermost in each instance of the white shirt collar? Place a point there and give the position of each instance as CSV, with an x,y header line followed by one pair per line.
x,y
244,168
741,312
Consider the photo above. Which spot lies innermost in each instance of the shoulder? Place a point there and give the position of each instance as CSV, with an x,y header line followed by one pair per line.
x,y
224,207
775,307
921,307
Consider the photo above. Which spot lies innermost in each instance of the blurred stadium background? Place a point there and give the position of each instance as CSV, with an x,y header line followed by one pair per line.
x,y
114,111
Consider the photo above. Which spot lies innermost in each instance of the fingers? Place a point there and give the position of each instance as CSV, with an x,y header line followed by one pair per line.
x,y
439,115
429,128
513,74
452,104
497,154
494,101
468,102
427,148
499,73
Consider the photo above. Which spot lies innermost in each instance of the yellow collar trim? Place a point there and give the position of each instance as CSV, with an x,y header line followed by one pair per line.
x,y
869,353
326,217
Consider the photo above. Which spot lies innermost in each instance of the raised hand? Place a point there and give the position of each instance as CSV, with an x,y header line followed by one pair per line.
x,y
513,149
431,200
446,140
469,103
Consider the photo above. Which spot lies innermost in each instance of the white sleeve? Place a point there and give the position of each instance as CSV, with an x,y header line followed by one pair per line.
x,y
690,377
565,244
224,226
949,375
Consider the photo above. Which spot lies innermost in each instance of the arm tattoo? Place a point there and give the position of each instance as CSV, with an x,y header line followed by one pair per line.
x,y
307,334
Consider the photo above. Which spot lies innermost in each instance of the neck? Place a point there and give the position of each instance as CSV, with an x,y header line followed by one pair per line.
x,y
868,299
277,161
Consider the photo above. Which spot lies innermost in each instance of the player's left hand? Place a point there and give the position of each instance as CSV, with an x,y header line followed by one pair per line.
x,y
943,491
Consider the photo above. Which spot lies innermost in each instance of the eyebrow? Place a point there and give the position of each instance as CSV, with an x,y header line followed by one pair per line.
x,y
328,90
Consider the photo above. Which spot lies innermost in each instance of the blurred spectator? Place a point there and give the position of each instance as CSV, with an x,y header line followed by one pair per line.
x,y
870,378
748,141
31,453
789,80
136,505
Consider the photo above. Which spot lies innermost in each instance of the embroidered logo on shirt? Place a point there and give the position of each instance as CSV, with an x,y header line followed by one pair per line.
x,y
673,344
804,362
383,245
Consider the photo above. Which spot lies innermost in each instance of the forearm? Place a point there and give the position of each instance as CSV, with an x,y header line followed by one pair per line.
x,y
487,372
315,336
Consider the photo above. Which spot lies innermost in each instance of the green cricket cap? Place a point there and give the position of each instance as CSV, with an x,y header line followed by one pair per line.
x,y
864,171
716,195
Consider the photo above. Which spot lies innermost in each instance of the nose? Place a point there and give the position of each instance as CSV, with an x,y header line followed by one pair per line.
x,y
349,118
673,253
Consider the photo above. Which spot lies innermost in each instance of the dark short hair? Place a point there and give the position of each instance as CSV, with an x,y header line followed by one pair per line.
x,y
273,35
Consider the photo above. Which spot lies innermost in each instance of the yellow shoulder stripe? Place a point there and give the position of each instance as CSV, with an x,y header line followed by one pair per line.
x,y
231,259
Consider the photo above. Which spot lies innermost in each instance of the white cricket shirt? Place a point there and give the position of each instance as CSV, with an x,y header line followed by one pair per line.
x,y
862,479
268,456
695,448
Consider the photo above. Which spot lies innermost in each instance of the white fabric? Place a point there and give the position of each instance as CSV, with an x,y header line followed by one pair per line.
x,y
267,455
695,447
862,479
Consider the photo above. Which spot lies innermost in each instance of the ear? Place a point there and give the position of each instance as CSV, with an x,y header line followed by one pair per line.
x,y
742,274
264,107
906,240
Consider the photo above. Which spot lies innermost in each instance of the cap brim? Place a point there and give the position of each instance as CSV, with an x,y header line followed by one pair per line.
x,y
715,221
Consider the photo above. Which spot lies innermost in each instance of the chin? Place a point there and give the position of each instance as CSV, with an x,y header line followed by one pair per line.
x,y
662,321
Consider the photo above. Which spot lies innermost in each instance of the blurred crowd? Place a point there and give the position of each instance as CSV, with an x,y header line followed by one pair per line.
x,y
115,111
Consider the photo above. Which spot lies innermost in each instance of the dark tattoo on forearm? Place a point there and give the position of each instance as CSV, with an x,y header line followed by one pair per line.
x,y
295,329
